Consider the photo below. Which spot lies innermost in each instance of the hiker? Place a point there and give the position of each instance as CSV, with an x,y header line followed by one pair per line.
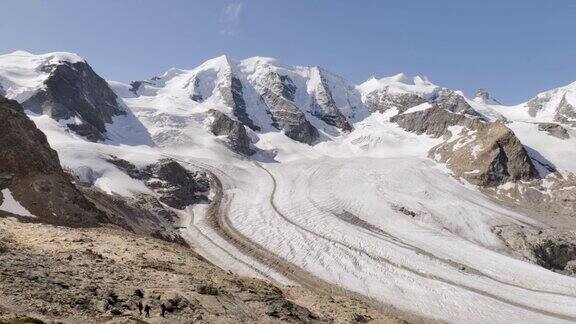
x,y
140,307
163,309
147,310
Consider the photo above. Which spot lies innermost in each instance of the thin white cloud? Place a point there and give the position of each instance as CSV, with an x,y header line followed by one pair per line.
x,y
231,18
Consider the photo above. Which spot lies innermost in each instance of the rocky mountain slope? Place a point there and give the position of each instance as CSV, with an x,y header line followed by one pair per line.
x,y
30,172
294,175
64,87
99,275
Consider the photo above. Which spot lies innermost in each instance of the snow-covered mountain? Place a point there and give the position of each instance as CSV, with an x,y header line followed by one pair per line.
x,y
307,103
64,87
482,96
396,189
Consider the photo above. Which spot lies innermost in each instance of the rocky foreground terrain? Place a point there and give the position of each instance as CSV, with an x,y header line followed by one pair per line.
x,y
98,275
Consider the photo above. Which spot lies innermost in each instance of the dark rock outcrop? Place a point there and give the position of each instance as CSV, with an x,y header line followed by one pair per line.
x,y
278,96
74,90
433,121
485,97
486,154
128,168
177,186
32,172
233,93
555,130
135,86
141,214
238,139
565,113
552,249
324,107
453,102
383,100
239,105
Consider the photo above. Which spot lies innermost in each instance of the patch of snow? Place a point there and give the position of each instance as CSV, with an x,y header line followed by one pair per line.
x,y
11,205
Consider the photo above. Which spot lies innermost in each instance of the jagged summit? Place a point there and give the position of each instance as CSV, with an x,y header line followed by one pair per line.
x,y
483,96
63,86
23,73
52,58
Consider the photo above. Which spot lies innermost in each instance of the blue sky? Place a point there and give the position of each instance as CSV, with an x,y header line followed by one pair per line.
x,y
513,48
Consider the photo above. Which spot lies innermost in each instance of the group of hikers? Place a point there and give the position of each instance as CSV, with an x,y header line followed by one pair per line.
x,y
147,309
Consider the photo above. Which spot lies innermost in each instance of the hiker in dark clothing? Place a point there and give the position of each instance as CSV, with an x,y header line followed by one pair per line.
x,y
140,307
163,310
147,310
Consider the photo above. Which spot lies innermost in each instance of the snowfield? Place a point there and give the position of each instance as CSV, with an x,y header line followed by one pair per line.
x,y
340,220
364,212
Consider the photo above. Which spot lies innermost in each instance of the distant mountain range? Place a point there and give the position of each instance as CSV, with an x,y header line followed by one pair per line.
x,y
262,143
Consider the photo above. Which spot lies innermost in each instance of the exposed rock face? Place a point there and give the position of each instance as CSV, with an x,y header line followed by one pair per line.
x,y
32,171
383,100
536,104
555,130
239,105
141,214
484,97
238,139
453,102
128,168
324,107
233,94
75,90
552,249
286,116
136,85
486,154
433,121
177,186
490,157
196,95
565,112
25,149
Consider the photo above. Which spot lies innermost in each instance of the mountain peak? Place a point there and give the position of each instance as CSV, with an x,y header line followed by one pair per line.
x,y
483,96
48,58
401,77
400,83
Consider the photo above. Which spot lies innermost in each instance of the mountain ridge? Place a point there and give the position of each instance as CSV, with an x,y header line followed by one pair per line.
x,y
294,174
